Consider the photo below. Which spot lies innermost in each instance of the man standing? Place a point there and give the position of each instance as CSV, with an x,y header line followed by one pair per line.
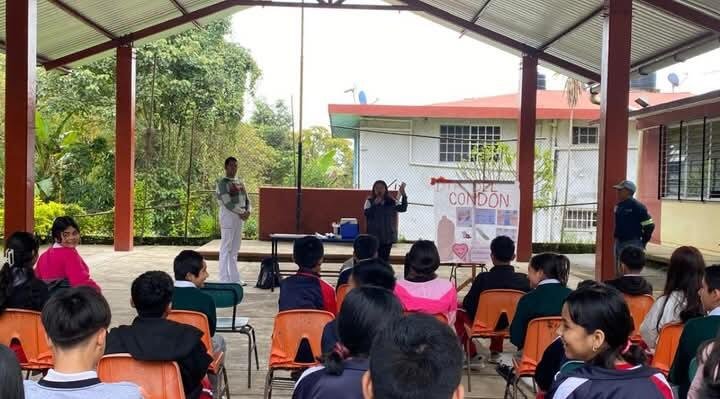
x,y
235,208
633,224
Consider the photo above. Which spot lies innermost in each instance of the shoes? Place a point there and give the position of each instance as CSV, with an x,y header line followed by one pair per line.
x,y
506,372
243,283
494,357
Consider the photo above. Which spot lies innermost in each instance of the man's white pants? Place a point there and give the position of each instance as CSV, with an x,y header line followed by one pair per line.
x,y
231,227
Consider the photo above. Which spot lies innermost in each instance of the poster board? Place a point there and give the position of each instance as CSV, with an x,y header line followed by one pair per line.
x,y
470,214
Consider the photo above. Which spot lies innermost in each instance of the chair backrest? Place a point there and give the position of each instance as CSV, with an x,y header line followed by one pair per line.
x,y
26,327
639,307
342,291
225,295
197,320
666,347
492,305
157,380
540,334
293,326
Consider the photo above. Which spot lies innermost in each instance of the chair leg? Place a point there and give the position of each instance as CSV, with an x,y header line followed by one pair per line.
x,y
227,385
249,377
467,362
257,362
268,384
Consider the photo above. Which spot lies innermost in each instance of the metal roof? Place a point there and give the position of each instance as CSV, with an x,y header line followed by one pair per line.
x,y
565,34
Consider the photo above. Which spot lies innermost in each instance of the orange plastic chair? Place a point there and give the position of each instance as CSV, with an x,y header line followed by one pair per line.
x,y
157,380
667,346
26,327
291,327
342,290
639,307
540,334
200,321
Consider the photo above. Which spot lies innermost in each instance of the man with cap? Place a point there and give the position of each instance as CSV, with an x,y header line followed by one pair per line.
x,y
633,224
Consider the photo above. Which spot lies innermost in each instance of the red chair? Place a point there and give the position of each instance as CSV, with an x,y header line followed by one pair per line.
x,y
667,346
25,326
157,380
540,334
639,307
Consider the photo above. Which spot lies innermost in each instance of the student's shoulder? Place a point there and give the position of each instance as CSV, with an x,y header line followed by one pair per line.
x,y
123,390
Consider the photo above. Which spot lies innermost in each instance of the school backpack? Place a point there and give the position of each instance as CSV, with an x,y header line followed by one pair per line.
x,y
267,279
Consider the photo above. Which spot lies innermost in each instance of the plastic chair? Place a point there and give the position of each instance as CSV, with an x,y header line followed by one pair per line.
x,y
290,329
342,290
199,321
229,295
492,304
157,380
639,307
540,334
667,344
26,327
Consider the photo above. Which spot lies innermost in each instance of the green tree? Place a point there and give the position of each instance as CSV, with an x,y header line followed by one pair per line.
x,y
327,161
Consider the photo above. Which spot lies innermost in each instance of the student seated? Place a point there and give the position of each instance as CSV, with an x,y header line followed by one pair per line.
x,y
422,290
596,329
632,261
369,272
548,274
365,312
501,276
364,247
306,290
11,379
62,261
697,330
415,356
19,287
152,337
680,300
76,323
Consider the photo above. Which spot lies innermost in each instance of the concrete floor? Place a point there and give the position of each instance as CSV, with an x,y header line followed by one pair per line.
x,y
114,272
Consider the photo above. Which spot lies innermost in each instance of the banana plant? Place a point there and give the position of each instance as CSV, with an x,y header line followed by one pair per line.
x,y
51,144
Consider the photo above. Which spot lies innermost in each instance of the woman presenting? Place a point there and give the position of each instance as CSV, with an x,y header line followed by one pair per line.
x,y
381,212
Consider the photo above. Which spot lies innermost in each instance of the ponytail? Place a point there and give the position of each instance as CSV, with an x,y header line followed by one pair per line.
x,y
630,353
553,265
333,361
21,250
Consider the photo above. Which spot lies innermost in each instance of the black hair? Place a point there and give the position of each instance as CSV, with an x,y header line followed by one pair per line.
x,y
503,248
151,293
712,277
604,308
70,317
24,247
375,272
711,380
11,380
365,246
685,274
308,252
365,312
553,265
590,284
423,259
633,258
372,192
228,160
60,224
187,261
415,356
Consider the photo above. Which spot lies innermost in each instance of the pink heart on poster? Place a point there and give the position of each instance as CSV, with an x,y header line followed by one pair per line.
x,y
460,250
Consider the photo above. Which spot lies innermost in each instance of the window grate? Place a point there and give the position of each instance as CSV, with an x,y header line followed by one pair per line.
x,y
458,143
584,135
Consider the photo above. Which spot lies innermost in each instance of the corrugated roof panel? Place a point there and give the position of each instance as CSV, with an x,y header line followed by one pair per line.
x,y
539,22
583,46
709,6
192,5
460,8
60,34
2,21
126,16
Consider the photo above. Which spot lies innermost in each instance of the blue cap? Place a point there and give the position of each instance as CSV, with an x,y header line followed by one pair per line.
x,y
626,184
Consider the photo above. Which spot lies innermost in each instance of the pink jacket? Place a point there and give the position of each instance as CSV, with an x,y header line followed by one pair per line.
x,y
432,297
59,263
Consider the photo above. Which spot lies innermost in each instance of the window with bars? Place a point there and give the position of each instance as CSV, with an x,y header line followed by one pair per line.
x,y
580,219
690,161
459,142
584,135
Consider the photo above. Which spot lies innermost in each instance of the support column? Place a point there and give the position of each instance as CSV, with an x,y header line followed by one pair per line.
x,y
21,49
614,91
124,147
526,154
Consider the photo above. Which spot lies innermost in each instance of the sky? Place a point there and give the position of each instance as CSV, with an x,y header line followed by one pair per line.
x,y
396,58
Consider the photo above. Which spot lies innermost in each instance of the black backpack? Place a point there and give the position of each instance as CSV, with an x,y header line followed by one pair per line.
x,y
267,279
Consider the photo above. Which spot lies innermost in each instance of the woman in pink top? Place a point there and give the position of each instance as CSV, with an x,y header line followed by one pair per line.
x,y
422,290
62,261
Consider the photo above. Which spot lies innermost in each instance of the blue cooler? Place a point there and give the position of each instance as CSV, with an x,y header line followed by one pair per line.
x,y
349,228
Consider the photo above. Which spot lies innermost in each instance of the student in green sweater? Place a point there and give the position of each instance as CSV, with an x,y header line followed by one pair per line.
x,y
698,330
548,274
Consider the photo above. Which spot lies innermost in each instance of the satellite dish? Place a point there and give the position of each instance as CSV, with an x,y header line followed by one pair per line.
x,y
362,97
674,79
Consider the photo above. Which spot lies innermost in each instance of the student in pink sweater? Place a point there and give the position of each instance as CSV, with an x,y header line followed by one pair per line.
x,y
422,290
62,261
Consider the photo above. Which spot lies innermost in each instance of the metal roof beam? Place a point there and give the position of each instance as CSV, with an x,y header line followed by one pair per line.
x,y
202,13
572,27
687,13
183,11
41,59
673,52
504,40
82,18
477,15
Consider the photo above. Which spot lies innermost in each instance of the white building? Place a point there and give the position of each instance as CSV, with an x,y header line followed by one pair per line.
x,y
413,144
